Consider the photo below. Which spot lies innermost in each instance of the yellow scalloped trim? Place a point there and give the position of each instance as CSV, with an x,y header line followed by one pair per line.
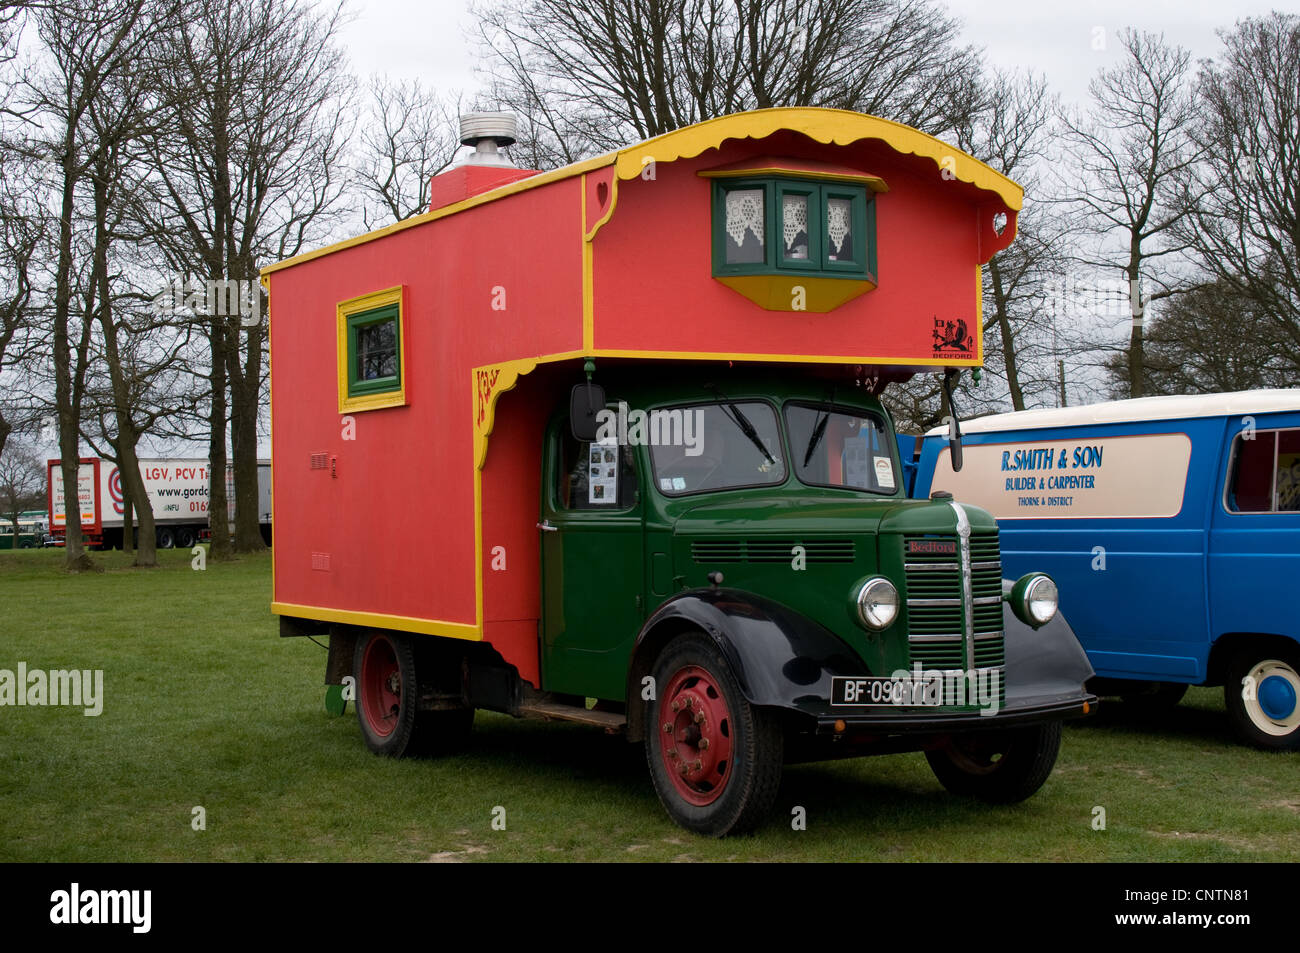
x,y
829,126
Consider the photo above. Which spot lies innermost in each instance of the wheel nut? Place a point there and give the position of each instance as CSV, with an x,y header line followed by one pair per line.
x,y
672,752
668,727
699,717
704,744
676,706
683,769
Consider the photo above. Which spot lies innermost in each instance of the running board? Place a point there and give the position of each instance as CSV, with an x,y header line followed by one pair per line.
x,y
612,722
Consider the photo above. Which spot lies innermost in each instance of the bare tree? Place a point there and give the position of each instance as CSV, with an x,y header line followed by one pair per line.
x,y
22,482
1213,338
595,74
409,136
131,355
1133,148
1013,134
1243,199
22,240
88,44
249,165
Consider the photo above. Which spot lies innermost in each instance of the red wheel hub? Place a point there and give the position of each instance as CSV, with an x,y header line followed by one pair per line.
x,y
695,735
381,686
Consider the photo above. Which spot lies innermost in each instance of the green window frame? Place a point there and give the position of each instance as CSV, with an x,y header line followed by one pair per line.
x,y
359,323
823,256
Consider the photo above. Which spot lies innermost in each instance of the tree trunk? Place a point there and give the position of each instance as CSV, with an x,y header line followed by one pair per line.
x,y
128,520
218,509
69,413
1004,332
245,408
1136,369
128,436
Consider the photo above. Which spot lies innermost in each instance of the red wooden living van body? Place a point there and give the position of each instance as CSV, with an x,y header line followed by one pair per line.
x,y
504,293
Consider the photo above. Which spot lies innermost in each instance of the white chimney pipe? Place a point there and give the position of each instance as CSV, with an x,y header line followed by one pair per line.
x,y
488,133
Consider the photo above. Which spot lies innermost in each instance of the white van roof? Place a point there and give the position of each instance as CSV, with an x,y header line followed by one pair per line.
x,y
1141,408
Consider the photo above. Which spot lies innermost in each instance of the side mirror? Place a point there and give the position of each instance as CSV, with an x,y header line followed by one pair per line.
x,y
954,425
586,400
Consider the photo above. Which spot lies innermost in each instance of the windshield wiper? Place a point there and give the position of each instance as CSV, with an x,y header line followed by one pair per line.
x,y
740,420
820,428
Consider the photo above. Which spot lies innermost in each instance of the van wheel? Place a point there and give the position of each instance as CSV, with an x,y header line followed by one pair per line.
x,y
1262,695
1155,698
714,758
1000,767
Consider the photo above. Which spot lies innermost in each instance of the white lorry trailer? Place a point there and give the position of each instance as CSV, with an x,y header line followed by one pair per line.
x,y
177,489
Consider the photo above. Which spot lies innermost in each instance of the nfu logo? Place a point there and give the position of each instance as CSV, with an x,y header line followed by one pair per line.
x,y
658,428
102,907
217,297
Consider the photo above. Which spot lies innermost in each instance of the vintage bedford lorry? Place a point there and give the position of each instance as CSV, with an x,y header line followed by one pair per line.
x,y
630,412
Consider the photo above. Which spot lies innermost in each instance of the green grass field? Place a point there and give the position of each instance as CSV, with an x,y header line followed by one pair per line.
x,y
206,706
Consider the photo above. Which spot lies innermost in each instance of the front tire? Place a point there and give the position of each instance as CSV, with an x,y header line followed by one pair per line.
x,y
714,758
1262,695
998,767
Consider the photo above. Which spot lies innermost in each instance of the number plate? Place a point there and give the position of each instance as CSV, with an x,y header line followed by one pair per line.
x,y
872,691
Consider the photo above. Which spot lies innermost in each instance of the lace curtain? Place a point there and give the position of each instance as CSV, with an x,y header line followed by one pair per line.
x,y
744,212
794,217
838,221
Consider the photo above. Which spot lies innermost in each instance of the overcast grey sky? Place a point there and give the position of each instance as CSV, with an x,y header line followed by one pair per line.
x,y
427,38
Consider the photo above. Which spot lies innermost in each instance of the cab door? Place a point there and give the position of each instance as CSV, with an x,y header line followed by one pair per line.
x,y
592,564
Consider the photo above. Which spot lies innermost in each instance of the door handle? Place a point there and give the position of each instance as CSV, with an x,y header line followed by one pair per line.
x,y
546,527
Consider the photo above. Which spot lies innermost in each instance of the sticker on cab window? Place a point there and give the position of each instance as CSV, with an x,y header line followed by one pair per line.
x,y
885,472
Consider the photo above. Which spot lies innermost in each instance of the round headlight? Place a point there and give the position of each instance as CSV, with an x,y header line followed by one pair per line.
x,y
877,603
1041,600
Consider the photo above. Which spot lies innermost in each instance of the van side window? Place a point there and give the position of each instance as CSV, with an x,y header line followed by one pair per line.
x,y
594,476
1266,473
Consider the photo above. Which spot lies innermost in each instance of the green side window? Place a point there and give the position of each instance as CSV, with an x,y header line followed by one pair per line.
x,y
767,226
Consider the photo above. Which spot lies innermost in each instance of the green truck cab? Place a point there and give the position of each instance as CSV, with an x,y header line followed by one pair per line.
x,y
733,565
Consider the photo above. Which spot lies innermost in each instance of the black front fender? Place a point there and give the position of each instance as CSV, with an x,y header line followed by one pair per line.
x,y
1043,664
779,657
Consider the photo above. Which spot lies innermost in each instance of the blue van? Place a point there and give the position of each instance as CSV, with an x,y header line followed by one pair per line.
x,y
1172,527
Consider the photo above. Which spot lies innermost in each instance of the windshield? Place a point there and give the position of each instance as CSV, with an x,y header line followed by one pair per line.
x,y
834,447
722,446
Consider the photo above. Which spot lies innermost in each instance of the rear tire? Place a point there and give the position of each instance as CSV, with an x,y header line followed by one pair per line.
x,y
388,698
165,538
999,767
384,667
717,768
1270,718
